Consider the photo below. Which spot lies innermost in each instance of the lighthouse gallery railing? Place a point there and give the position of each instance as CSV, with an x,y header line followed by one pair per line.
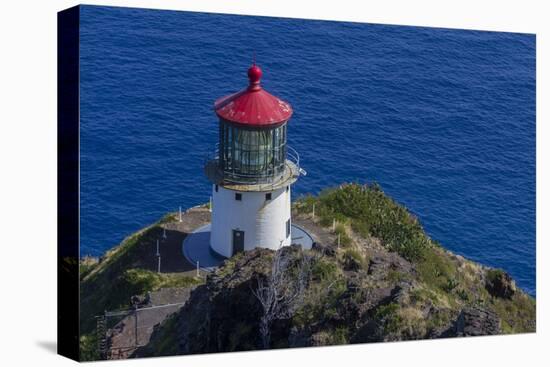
x,y
292,170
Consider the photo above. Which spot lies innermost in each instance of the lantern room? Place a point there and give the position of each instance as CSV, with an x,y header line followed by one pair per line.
x,y
252,155
252,144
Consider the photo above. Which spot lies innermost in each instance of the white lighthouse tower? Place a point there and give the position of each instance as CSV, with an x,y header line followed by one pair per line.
x,y
252,171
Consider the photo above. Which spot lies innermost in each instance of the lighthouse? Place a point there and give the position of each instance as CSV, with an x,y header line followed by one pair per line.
x,y
251,171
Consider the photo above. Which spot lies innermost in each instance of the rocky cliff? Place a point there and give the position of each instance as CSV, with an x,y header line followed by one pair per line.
x,y
372,275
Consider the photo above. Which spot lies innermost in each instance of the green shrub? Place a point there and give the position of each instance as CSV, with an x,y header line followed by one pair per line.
x,y
386,310
450,285
88,347
495,274
373,213
339,336
115,292
323,270
437,270
325,220
389,317
395,276
139,281
362,227
438,319
304,204
85,269
228,266
463,295
420,295
518,314
340,230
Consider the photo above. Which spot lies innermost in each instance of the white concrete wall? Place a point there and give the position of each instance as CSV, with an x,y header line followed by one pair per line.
x,y
263,222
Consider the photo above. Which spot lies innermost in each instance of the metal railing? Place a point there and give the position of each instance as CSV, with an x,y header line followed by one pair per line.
x,y
292,158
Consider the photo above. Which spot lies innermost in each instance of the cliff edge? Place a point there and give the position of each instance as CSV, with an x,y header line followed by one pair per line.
x,y
372,275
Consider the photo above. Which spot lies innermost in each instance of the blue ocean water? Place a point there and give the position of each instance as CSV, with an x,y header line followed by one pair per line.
x,y
443,119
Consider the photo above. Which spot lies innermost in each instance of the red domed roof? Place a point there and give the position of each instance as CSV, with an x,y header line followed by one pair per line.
x,y
253,106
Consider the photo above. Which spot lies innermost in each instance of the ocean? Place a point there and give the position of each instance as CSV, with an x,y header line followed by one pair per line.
x,y
443,120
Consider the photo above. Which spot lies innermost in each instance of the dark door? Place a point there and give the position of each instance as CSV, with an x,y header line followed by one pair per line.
x,y
238,241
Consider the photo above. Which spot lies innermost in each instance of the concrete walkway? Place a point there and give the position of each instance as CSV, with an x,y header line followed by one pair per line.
x,y
196,246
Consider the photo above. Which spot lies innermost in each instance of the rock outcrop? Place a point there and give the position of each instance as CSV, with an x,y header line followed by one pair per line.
x,y
500,284
375,277
356,294
476,321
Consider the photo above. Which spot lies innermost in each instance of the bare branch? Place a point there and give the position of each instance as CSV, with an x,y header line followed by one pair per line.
x,y
281,292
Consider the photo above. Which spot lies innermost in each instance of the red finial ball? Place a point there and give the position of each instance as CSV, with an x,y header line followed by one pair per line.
x,y
254,74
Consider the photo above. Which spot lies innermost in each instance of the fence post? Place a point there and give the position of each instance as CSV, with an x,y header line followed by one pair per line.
x,y
158,253
198,274
313,211
180,215
333,224
210,206
164,232
338,240
158,270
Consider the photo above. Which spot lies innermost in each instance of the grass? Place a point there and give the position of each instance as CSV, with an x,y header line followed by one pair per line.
x,y
86,265
345,239
115,293
515,313
410,323
121,274
326,285
441,279
371,213
389,316
339,336
88,347
395,276
139,281
437,270
320,303
440,319
229,264
494,274
323,270
111,283
445,281
352,256
463,295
